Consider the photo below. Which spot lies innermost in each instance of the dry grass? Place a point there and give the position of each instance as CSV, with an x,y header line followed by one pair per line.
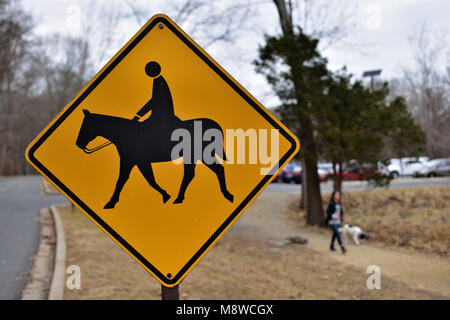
x,y
238,267
416,218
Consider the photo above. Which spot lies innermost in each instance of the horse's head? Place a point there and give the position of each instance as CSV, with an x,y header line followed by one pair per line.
x,y
86,133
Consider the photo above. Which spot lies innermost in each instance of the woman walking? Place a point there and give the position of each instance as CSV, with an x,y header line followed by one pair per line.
x,y
335,216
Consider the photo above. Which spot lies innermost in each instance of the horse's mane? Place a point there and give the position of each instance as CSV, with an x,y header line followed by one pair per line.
x,y
108,122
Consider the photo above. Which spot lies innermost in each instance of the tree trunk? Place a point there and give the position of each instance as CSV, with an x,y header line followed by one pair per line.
x,y
314,210
311,197
340,177
303,188
285,14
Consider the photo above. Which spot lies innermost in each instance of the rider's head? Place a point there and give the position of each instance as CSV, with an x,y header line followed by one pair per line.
x,y
153,69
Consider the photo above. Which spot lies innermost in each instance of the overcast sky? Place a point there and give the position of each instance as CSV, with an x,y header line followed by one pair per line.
x,y
379,39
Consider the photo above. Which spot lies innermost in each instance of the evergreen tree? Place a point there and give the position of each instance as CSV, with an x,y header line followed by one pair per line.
x,y
298,74
357,124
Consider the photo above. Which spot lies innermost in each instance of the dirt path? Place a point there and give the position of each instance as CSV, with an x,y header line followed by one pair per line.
x,y
265,221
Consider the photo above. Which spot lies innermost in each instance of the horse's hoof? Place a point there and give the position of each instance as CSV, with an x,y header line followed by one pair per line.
x,y
229,197
109,205
178,200
166,197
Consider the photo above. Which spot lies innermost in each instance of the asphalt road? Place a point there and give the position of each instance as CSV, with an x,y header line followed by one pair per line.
x,y
20,201
362,185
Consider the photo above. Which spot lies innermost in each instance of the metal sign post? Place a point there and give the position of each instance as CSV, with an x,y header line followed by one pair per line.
x,y
170,293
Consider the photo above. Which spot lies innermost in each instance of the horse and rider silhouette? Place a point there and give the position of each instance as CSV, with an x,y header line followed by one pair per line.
x,y
141,143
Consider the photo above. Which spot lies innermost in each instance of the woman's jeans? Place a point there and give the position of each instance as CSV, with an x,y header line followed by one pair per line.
x,y
336,234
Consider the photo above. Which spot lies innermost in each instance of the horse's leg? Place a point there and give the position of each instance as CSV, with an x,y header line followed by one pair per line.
x,y
147,171
189,173
219,170
125,169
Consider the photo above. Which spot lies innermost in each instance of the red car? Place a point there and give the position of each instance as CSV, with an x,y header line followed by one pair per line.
x,y
356,173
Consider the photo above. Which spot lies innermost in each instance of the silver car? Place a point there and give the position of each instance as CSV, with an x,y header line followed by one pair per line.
x,y
434,168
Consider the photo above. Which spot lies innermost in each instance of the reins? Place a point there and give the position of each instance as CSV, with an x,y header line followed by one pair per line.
x,y
89,151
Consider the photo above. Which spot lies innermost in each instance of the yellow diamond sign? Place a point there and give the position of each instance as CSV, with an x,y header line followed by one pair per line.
x,y
163,150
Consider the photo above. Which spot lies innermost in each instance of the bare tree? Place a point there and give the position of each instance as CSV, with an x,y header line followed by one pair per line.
x,y
329,21
37,78
207,21
67,69
14,28
427,89
101,29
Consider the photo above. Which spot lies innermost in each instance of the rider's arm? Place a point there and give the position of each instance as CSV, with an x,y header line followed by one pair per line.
x,y
146,108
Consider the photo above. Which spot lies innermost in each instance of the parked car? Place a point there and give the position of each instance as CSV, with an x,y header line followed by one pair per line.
x,y
347,174
401,167
291,173
434,168
352,174
325,166
413,167
296,175
356,173
323,174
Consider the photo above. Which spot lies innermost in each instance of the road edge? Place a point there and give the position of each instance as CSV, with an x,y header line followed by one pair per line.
x,y
46,188
56,291
41,272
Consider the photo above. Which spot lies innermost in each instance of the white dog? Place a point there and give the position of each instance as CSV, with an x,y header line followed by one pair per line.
x,y
352,232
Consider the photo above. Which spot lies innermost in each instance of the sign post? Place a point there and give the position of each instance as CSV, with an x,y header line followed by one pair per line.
x,y
170,293
163,150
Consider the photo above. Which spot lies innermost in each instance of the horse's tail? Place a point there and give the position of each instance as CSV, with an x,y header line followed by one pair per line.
x,y
223,155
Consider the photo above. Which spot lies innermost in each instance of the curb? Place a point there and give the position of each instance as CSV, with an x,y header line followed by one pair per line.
x,y
56,291
46,188
41,272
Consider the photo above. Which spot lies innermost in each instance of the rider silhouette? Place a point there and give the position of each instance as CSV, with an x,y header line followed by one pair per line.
x,y
160,103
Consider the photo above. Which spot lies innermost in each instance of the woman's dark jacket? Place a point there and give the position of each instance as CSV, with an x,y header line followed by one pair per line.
x,y
331,209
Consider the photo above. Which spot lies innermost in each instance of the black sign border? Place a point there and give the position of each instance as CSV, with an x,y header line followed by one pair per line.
x,y
93,85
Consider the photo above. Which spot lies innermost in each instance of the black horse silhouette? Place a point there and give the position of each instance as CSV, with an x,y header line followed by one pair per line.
x,y
141,143
137,148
